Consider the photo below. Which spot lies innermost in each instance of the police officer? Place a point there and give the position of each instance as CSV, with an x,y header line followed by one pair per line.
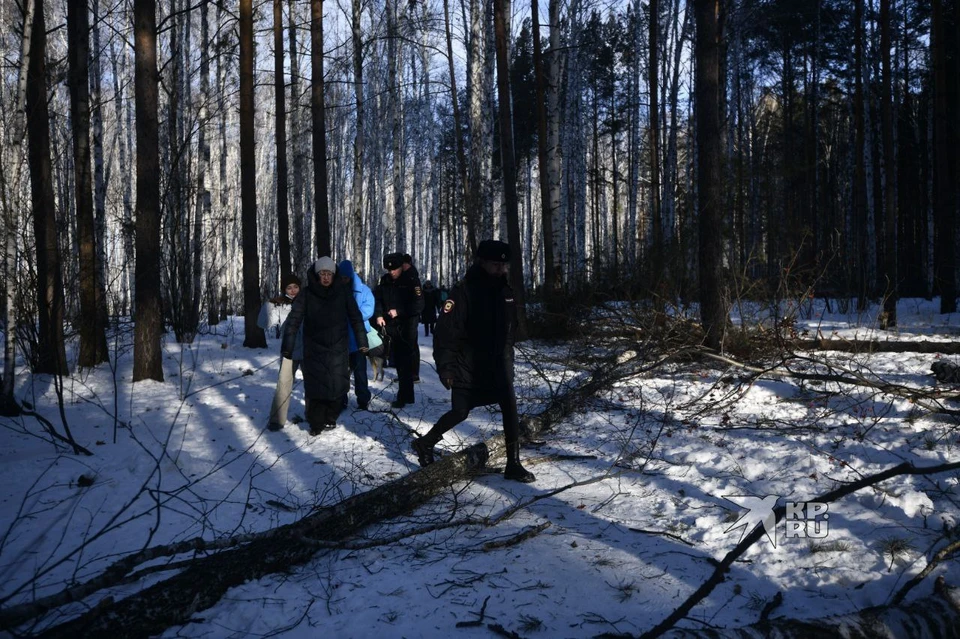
x,y
473,350
398,302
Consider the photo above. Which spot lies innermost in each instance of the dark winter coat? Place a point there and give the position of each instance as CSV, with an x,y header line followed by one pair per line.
x,y
403,294
325,313
431,304
473,341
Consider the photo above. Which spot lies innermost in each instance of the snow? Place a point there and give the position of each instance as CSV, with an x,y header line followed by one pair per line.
x,y
631,492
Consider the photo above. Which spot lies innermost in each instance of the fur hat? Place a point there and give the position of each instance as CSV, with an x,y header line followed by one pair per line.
x,y
325,264
408,259
494,251
392,261
289,279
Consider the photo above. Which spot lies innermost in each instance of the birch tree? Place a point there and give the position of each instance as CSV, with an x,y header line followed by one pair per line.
x,y
280,119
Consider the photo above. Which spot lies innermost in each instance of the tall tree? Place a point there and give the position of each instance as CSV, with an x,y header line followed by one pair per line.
x,y
508,162
283,221
653,68
148,317
945,141
93,334
356,195
469,213
713,302
892,292
551,273
9,406
254,336
51,354
553,115
318,111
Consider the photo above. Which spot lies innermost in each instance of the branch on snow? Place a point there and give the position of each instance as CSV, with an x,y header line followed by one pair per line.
x,y
780,511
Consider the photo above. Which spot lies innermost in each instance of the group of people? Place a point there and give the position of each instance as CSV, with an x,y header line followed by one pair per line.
x,y
329,325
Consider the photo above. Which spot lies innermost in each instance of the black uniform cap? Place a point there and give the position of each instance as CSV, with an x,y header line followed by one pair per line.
x,y
494,251
392,261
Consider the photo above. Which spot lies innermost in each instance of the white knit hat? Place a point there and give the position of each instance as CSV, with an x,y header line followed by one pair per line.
x,y
325,264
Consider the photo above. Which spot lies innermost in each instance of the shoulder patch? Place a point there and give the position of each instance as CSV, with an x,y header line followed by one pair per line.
x,y
448,306
417,291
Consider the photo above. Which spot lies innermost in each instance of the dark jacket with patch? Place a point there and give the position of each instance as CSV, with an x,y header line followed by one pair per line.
x,y
403,294
473,341
325,313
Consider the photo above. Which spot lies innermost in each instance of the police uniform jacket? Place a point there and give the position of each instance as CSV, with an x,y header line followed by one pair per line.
x,y
473,341
403,294
324,312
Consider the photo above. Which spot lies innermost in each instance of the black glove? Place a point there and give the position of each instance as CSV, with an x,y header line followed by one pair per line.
x,y
447,382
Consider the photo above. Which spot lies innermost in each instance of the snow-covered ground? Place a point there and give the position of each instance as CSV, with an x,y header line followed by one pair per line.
x,y
637,496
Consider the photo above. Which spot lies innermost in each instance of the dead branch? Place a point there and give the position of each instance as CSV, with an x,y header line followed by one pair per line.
x,y
533,531
780,511
941,554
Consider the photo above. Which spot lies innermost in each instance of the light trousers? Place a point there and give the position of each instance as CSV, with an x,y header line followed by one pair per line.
x,y
281,398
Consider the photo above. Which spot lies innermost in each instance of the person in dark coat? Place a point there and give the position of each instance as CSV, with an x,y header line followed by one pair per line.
x,y
473,350
409,270
324,307
398,302
431,304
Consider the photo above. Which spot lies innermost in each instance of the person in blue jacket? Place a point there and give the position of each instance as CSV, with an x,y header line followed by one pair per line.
x,y
358,361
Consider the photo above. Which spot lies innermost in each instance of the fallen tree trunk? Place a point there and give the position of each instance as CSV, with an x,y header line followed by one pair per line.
x,y
873,346
563,404
175,600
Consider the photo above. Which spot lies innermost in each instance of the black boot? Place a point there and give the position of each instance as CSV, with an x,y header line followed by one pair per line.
x,y
515,470
423,447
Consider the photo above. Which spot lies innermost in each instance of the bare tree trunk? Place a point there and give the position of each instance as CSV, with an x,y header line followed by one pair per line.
x,y
203,207
396,115
283,221
945,143
555,170
476,93
123,133
656,217
713,305
93,336
356,196
51,355
301,251
321,212
552,283
253,335
100,181
8,402
892,292
469,213
508,164
147,354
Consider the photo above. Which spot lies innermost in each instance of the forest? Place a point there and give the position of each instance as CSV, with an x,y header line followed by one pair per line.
x,y
735,238
168,162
